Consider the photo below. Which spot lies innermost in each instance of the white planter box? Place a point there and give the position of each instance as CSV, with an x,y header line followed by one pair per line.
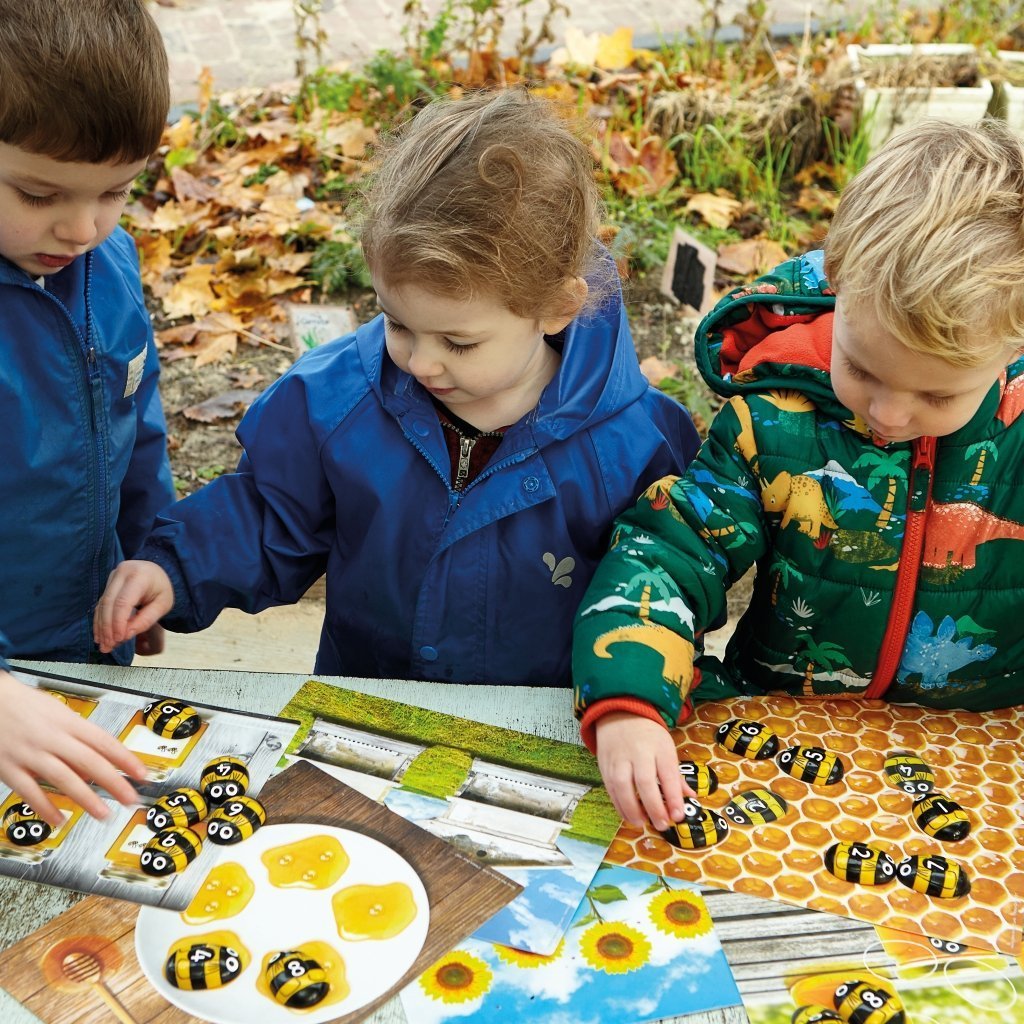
x,y
892,110
1013,95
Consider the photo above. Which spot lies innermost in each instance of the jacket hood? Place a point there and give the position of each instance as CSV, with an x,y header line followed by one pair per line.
x,y
598,376
774,334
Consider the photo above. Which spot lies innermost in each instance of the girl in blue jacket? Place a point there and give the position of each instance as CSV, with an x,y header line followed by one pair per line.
x,y
454,465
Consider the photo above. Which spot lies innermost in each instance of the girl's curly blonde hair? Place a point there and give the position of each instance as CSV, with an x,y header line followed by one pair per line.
x,y
492,194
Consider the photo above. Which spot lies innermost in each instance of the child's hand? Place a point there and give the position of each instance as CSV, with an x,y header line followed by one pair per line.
x,y
138,594
43,739
638,756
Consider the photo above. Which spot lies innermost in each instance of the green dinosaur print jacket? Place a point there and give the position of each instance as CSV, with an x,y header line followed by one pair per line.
x,y
881,571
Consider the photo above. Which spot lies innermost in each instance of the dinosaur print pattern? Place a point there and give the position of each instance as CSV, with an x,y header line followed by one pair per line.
x,y
801,500
955,531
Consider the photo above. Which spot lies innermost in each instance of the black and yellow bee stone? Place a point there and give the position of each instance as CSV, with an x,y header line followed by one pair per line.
x,y
224,778
813,765
23,827
235,820
170,851
171,718
860,863
942,818
181,808
755,807
748,739
814,1015
860,1002
908,772
296,980
701,778
202,966
934,876
699,828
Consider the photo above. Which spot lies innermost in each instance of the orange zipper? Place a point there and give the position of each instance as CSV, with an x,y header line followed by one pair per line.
x,y
909,568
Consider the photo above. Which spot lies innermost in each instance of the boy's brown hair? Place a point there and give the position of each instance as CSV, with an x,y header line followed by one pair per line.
x,y
492,194
930,235
82,80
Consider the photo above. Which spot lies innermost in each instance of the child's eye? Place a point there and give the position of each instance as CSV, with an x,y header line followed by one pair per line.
x,y
30,200
938,400
459,350
856,372
392,325
117,197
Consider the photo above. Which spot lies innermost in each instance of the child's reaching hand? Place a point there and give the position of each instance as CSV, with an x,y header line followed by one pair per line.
x,y
637,757
138,595
42,739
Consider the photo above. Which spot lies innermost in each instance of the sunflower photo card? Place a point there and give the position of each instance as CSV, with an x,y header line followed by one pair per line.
x,y
638,949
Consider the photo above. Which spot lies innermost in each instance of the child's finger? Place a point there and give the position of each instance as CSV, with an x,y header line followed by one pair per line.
x,y
673,788
32,793
649,790
66,780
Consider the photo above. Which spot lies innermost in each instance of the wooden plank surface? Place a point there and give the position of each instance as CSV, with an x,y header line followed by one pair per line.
x,y
25,907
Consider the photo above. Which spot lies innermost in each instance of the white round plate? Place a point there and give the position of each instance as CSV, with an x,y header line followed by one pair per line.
x,y
278,919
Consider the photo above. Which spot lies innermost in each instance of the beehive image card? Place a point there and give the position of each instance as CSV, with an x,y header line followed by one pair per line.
x,y
320,915
191,751
532,808
883,813
797,965
638,947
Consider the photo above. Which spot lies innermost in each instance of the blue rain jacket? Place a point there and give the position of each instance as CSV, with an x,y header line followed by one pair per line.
x,y
346,472
84,466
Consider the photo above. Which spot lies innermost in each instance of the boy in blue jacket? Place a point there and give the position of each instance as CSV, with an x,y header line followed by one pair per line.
x,y
453,466
83,102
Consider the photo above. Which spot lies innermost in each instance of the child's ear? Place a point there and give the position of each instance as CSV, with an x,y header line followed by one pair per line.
x,y
575,291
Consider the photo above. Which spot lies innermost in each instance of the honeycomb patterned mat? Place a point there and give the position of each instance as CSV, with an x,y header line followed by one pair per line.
x,y
885,843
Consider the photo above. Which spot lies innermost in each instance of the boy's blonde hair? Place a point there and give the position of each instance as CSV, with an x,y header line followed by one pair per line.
x,y
931,235
82,80
489,194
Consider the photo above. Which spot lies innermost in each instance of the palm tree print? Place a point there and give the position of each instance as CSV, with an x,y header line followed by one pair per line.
x,y
784,573
982,450
885,466
827,656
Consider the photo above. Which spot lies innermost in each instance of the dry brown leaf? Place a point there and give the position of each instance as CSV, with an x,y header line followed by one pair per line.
x,y
187,186
154,256
656,370
350,137
192,294
714,208
215,348
751,256
641,172
221,407
182,133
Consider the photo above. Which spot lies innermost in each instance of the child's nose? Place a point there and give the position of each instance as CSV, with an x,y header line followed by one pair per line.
x,y
78,227
421,363
890,411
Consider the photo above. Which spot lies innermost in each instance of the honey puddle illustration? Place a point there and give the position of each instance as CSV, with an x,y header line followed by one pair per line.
x,y
373,911
226,892
313,863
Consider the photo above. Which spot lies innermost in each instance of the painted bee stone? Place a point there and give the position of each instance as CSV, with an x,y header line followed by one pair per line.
x,y
813,765
296,980
755,807
908,772
942,818
170,851
699,828
860,1002
860,863
235,820
701,778
171,718
202,966
182,807
23,827
934,876
748,739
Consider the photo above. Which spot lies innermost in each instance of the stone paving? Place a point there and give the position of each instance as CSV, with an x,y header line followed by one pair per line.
x,y
252,42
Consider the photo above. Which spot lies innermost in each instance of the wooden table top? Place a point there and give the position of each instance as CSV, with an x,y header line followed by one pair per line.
x,y
25,906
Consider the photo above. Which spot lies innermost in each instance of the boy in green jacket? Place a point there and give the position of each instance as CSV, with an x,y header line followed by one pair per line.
x,y
869,462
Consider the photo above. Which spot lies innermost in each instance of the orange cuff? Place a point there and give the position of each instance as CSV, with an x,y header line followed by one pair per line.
x,y
597,711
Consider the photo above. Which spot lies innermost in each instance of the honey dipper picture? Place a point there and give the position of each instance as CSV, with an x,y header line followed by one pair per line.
x,y
81,963
931,793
